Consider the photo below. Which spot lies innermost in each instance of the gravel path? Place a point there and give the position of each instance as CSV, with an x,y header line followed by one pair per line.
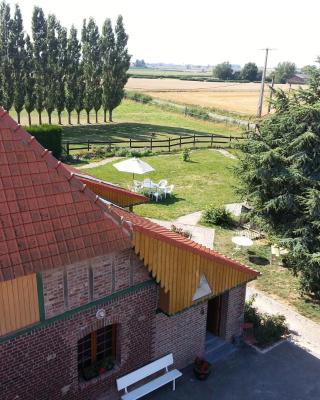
x,y
226,154
99,163
305,333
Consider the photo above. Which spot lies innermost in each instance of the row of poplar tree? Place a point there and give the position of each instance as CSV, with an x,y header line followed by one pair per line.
x,y
56,71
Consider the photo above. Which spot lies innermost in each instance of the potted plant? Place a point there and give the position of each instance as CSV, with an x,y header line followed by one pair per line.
x,y
202,368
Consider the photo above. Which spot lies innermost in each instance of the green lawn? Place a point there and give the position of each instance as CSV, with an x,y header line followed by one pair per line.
x,y
136,121
206,179
275,280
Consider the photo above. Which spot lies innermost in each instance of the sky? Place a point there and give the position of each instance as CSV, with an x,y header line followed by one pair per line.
x,y
201,32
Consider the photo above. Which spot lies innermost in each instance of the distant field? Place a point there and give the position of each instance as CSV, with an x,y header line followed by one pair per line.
x,y
241,98
165,72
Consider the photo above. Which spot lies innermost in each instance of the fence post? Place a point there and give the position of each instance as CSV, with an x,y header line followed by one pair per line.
x,y
180,142
169,145
194,140
211,141
130,143
68,148
88,145
151,143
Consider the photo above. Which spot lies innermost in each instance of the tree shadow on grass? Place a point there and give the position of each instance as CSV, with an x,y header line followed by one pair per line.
x,y
257,260
136,131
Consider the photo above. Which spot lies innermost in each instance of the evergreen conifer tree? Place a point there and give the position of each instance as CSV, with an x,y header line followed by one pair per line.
x,y
280,177
39,33
51,67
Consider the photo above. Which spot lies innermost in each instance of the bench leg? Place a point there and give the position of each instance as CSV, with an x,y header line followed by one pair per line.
x,y
174,385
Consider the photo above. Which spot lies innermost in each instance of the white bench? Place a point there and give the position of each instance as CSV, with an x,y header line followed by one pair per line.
x,y
142,373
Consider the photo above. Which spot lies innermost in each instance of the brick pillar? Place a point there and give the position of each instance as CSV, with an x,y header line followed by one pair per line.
x,y
232,311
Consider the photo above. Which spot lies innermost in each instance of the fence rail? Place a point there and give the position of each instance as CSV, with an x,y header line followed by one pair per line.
x,y
152,144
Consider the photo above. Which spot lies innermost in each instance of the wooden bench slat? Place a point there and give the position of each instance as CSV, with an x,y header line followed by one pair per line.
x,y
153,385
144,372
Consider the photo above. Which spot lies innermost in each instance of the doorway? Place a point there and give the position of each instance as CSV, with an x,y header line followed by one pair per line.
x,y
214,315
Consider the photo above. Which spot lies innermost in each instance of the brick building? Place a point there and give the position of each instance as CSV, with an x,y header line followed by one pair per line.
x,y
90,291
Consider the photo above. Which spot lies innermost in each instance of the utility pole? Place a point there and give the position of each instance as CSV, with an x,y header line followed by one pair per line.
x,y
262,84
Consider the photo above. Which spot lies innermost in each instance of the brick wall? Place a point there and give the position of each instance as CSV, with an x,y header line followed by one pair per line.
x,y
77,284
182,334
42,364
232,312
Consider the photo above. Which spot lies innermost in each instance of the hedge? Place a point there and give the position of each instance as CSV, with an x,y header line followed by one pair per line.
x,y
49,136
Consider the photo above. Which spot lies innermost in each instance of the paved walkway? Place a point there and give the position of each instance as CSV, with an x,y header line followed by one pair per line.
x,y
226,154
99,163
200,234
305,333
190,219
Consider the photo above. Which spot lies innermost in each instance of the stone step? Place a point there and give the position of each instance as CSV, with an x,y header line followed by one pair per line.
x,y
217,348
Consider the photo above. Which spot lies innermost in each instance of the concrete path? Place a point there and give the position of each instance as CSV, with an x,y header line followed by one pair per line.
x,y
226,154
305,333
190,219
200,234
99,163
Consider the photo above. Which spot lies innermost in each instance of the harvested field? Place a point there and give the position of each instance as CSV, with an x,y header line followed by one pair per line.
x,y
241,98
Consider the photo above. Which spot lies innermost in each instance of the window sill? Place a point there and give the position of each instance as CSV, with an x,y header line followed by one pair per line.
x,y
83,384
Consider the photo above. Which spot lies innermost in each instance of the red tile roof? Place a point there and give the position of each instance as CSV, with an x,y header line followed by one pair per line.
x,y
48,217
109,191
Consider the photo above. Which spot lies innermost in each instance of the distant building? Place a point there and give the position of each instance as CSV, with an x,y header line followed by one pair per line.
x,y
297,79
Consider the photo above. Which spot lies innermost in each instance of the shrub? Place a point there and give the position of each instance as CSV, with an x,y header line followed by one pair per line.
x,y
186,155
49,136
197,112
267,328
217,216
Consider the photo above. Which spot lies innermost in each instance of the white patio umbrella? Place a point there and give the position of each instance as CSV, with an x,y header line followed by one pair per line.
x,y
133,165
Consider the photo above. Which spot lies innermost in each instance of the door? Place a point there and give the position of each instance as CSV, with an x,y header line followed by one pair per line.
x,y
214,315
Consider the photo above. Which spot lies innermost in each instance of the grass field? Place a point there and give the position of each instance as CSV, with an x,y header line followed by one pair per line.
x,y
206,179
136,121
241,98
168,72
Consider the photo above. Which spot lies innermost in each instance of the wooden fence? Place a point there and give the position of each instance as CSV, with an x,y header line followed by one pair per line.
x,y
167,144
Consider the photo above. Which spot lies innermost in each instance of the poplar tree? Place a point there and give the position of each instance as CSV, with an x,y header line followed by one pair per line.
x,y
72,73
91,66
17,42
108,62
39,33
51,67
6,70
121,64
29,81
80,91
61,71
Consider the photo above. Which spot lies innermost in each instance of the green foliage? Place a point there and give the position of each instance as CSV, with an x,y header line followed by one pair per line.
x,y
280,174
137,96
217,216
223,71
250,72
284,71
267,328
197,112
186,154
49,136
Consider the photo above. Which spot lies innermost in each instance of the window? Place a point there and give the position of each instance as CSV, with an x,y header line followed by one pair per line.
x,y
97,352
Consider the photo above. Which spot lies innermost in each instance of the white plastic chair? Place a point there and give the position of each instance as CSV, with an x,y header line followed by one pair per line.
x,y
163,183
147,183
168,190
158,193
